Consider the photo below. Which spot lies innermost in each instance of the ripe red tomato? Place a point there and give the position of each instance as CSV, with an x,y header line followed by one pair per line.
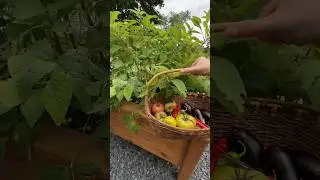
x,y
157,107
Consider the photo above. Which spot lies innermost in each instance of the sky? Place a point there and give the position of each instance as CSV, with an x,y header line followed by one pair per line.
x,y
196,7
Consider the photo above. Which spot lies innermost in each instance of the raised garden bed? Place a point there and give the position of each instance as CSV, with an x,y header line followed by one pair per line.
x,y
55,146
183,153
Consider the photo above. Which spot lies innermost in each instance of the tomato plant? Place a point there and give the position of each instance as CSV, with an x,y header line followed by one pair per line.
x,y
139,49
51,63
256,69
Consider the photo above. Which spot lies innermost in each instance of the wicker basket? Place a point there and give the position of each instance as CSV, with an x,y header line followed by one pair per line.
x,y
195,99
274,123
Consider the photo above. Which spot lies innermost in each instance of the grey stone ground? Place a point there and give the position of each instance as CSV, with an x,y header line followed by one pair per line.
x,y
130,162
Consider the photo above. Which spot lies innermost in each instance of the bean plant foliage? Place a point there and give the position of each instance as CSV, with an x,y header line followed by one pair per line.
x,y
262,69
139,49
51,62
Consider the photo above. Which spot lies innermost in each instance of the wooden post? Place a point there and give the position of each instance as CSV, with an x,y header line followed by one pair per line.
x,y
191,158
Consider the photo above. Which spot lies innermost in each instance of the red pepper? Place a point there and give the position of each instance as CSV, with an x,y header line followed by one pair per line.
x,y
201,124
218,148
176,111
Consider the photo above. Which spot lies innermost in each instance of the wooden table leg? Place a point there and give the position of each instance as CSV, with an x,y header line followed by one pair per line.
x,y
193,155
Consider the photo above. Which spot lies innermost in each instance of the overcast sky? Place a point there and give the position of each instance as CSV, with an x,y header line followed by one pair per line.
x,y
196,7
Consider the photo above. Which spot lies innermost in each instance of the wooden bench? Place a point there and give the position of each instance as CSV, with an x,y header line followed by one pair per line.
x,y
183,153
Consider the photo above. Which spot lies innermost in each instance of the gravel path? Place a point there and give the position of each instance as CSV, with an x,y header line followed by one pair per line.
x,y
130,162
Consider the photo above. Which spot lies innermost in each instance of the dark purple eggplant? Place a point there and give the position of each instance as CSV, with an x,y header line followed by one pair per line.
x,y
308,166
245,143
281,164
206,116
186,107
197,113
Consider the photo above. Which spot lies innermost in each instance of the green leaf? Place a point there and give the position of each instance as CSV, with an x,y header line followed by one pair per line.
x,y
146,21
27,9
9,97
120,95
114,15
14,30
33,109
309,71
82,96
58,5
228,85
180,86
42,50
26,71
127,92
9,120
60,28
97,39
93,89
54,172
77,65
129,121
314,93
196,21
102,130
57,95
113,91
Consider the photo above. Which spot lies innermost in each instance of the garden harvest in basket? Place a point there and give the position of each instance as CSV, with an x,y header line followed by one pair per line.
x,y
181,115
174,113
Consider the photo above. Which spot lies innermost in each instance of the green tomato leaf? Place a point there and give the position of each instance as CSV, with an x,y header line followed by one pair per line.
x,y
9,97
182,90
120,95
228,86
33,109
57,95
114,15
42,50
314,94
60,28
113,91
93,89
9,120
102,130
127,92
309,71
26,71
27,9
196,21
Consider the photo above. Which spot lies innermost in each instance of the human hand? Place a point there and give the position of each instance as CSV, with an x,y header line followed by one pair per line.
x,y
285,21
200,67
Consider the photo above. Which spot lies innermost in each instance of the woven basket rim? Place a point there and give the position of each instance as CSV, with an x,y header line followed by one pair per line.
x,y
149,114
286,103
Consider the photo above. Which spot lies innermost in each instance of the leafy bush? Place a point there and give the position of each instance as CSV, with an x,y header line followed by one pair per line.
x,y
139,49
54,59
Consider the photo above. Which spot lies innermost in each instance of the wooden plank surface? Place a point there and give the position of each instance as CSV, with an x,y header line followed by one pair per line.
x,y
192,156
66,143
53,146
170,150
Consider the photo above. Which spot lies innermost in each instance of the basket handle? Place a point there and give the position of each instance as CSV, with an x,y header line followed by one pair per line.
x,y
159,74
